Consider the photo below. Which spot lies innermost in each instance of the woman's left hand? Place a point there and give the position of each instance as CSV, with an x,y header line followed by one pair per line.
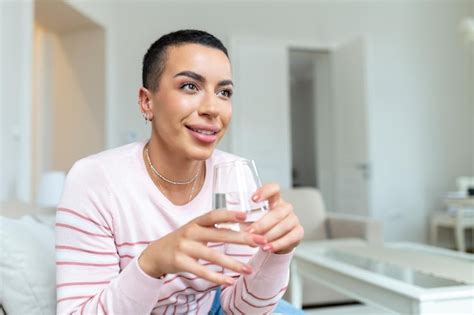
x,y
280,225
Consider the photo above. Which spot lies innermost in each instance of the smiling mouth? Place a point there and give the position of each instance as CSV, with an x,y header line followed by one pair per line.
x,y
203,131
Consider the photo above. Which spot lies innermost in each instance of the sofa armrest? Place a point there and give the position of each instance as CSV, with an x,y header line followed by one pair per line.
x,y
341,225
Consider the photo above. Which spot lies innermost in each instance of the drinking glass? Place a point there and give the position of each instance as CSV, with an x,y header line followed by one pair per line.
x,y
233,186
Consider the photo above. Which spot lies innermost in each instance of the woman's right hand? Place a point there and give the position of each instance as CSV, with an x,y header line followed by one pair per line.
x,y
180,250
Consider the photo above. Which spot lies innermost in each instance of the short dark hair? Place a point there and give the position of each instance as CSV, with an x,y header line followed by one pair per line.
x,y
155,58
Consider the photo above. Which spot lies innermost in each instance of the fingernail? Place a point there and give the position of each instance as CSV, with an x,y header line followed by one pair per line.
x,y
250,230
267,247
241,215
256,197
229,281
259,239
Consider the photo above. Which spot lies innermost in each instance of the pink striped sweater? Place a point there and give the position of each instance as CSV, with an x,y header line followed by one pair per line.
x,y
110,210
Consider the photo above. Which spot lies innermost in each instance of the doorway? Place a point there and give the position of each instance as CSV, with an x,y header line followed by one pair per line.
x,y
311,120
68,109
328,93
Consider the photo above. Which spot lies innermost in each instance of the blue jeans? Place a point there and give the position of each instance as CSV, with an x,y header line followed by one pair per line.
x,y
283,307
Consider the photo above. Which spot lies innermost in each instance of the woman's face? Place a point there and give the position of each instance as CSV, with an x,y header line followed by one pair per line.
x,y
192,105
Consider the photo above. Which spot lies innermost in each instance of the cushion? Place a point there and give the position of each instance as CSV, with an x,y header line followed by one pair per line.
x,y
310,209
27,266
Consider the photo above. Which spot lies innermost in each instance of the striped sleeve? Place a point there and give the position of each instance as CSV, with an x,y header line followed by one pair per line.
x,y
88,276
259,292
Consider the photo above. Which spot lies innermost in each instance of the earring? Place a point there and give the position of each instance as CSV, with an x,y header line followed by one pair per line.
x,y
145,116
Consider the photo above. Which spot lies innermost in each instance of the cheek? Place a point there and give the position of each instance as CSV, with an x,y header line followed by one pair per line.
x,y
227,115
176,108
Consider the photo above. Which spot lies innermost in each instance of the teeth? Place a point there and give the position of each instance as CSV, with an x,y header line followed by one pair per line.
x,y
205,132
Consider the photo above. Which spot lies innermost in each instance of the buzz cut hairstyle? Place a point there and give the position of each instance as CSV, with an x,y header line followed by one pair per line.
x,y
154,60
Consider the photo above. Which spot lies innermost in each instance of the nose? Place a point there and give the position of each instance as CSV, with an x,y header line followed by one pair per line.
x,y
209,106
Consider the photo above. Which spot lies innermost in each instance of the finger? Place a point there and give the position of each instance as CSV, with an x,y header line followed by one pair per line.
x,y
220,216
282,228
199,251
270,192
269,220
188,264
290,240
227,236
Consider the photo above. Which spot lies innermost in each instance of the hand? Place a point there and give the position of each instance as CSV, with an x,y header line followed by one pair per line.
x,y
179,251
280,226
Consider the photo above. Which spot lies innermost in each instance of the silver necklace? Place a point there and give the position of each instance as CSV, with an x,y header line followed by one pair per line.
x,y
169,180
192,191
190,194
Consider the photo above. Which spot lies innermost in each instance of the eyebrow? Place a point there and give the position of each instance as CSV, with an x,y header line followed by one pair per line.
x,y
200,78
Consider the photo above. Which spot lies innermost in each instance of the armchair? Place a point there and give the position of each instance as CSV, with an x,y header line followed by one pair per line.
x,y
323,226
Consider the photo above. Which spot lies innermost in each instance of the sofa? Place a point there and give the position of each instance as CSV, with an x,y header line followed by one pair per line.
x,y
27,247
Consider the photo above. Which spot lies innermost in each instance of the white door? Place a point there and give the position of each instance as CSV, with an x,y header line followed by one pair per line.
x,y
260,127
349,100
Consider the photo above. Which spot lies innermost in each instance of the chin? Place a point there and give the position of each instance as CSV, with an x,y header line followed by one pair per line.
x,y
201,153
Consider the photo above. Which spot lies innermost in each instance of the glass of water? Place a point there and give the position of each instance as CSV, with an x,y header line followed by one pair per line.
x,y
233,186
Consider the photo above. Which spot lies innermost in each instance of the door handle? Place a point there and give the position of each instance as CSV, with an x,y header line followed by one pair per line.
x,y
365,168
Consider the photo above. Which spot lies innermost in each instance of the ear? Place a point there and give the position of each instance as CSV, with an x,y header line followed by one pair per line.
x,y
145,104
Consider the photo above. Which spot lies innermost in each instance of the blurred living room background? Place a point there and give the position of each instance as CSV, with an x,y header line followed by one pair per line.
x,y
370,102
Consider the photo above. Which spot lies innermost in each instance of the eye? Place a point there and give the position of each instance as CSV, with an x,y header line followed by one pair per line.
x,y
189,86
226,93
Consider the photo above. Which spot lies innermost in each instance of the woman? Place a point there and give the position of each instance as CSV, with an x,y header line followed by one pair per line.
x,y
134,230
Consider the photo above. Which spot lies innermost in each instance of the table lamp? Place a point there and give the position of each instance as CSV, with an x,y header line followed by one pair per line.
x,y
467,28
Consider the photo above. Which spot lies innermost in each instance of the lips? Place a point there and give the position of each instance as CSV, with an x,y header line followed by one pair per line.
x,y
202,133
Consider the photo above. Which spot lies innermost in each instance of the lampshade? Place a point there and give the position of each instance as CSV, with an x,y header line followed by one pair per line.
x,y
467,28
50,189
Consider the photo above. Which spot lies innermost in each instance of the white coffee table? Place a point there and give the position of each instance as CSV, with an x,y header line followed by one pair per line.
x,y
405,278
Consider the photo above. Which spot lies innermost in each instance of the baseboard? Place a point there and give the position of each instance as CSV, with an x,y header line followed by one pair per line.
x,y
322,305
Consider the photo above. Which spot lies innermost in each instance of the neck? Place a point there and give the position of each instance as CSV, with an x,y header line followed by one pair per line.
x,y
170,164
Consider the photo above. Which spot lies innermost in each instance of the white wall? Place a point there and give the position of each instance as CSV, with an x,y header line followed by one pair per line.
x,y
16,29
420,115
42,119
471,49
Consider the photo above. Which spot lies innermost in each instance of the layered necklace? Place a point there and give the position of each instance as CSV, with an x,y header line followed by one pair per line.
x,y
185,182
